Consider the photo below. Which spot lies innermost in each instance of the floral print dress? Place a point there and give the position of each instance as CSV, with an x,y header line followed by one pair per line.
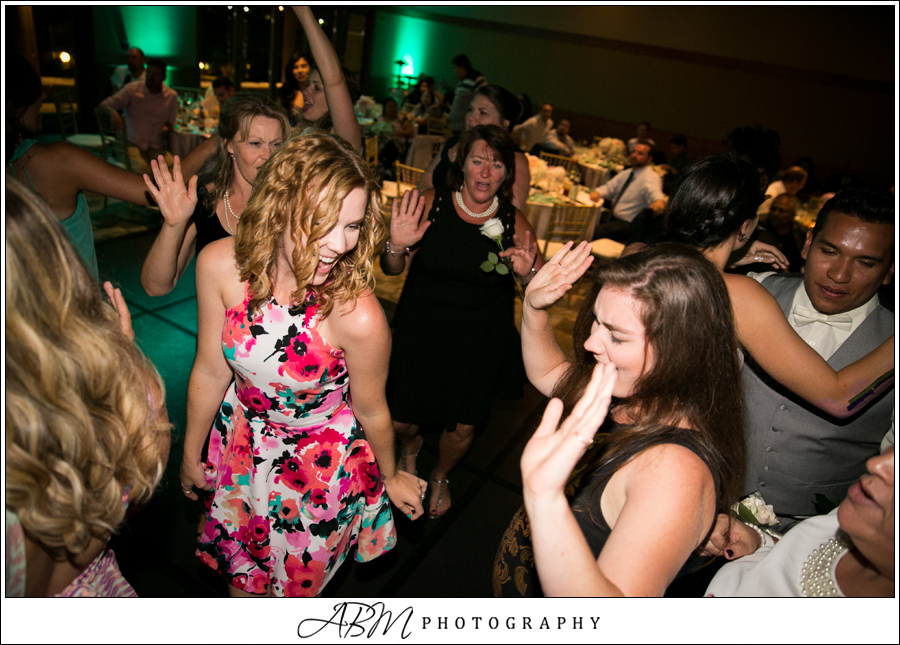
x,y
295,481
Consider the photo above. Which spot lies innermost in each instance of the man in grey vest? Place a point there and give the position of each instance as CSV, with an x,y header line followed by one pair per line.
x,y
801,459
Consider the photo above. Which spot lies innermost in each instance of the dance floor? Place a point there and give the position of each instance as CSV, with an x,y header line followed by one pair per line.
x,y
449,557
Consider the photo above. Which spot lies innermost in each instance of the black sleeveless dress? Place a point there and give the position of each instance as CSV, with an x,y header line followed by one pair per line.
x,y
455,344
209,228
515,575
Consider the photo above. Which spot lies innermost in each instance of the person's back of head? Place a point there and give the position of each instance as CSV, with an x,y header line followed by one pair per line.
x,y
714,196
462,60
505,101
83,438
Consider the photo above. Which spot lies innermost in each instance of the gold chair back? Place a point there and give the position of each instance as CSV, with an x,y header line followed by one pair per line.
x,y
557,160
407,174
371,149
568,222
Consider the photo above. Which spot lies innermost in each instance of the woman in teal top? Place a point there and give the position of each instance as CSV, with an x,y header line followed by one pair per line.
x,y
59,172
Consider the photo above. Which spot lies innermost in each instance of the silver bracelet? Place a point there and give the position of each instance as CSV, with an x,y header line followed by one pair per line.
x,y
527,278
387,247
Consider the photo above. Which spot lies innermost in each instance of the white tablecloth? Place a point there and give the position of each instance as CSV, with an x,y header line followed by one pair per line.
x,y
593,176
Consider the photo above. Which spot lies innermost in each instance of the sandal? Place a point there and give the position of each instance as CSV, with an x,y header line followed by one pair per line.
x,y
440,497
401,460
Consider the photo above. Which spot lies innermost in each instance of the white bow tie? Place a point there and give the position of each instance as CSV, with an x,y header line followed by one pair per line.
x,y
804,316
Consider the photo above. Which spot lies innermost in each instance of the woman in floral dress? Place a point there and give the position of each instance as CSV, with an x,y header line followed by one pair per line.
x,y
298,473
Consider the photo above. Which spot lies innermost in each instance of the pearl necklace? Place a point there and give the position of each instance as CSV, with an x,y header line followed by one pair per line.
x,y
487,213
817,576
228,210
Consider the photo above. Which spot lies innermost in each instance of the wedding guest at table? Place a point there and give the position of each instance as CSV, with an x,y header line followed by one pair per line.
x,y
643,132
792,180
427,108
714,209
557,141
834,308
133,71
296,78
223,88
87,436
532,131
785,232
470,81
492,105
251,128
301,448
847,553
425,84
327,99
394,130
668,456
629,193
59,172
448,295
151,109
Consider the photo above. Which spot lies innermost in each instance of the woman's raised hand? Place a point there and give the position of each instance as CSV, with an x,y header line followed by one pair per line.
x,y
558,275
762,252
522,255
407,227
175,200
551,454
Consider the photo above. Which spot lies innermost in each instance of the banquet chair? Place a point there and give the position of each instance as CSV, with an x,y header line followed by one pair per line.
x,y
568,222
371,150
407,174
557,160
435,126
65,110
115,150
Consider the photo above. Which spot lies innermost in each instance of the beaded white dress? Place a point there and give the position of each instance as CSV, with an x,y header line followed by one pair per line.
x,y
801,564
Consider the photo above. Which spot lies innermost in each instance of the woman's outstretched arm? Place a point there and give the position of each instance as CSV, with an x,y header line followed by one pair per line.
x,y
766,334
340,105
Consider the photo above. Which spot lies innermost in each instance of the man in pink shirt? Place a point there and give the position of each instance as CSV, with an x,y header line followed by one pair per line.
x,y
151,108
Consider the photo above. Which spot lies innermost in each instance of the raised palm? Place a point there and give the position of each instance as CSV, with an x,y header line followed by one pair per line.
x,y
175,200
558,275
407,227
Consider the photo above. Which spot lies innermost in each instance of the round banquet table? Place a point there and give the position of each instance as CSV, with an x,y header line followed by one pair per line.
x,y
538,215
185,138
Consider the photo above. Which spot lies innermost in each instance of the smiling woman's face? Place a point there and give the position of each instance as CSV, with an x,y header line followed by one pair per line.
x,y
867,513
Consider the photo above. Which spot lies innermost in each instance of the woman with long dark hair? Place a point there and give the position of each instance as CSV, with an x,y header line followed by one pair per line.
x,y
657,334
296,78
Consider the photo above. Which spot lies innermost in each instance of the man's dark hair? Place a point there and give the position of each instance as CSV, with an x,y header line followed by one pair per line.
x,y
223,81
679,140
644,142
156,62
462,61
871,206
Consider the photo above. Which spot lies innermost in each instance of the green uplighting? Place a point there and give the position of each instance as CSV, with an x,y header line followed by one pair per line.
x,y
411,44
159,31
408,69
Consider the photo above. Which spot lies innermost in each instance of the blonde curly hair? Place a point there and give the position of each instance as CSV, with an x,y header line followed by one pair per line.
x,y
303,185
82,432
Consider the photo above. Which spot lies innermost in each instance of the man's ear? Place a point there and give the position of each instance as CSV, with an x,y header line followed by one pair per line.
x,y
808,243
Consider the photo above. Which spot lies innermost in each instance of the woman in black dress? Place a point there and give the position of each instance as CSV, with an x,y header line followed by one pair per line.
x,y
455,343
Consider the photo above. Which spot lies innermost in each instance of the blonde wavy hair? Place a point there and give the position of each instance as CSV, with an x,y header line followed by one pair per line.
x,y
303,185
82,434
